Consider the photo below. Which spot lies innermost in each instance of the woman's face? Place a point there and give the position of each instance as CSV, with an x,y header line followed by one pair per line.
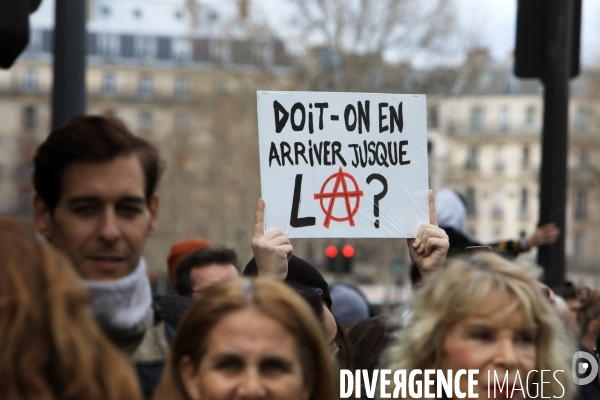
x,y
250,356
501,342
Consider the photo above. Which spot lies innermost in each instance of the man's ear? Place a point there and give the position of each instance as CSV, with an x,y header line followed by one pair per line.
x,y
154,205
42,216
189,376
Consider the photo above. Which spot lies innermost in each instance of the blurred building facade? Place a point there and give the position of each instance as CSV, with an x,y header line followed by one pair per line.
x,y
485,143
180,76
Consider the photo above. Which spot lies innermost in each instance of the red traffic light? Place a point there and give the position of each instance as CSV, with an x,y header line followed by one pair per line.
x,y
331,251
348,251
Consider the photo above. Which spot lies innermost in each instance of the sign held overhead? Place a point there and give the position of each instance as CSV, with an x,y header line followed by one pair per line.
x,y
347,165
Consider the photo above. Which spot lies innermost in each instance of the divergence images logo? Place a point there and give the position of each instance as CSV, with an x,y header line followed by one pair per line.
x,y
580,368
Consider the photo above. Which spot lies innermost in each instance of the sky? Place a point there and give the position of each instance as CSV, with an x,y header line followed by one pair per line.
x,y
488,23
494,21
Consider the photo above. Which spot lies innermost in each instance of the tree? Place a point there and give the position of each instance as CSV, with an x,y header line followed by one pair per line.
x,y
349,45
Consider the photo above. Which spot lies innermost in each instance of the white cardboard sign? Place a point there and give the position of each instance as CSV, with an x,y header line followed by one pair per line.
x,y
343,165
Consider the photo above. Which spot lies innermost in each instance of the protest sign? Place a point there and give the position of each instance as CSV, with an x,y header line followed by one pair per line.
x,y
343,165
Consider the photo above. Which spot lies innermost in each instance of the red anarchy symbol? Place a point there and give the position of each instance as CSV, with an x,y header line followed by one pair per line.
x,y
340,180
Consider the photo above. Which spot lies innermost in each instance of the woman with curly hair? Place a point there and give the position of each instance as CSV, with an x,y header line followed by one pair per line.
x,y
50,345
249,339
488,314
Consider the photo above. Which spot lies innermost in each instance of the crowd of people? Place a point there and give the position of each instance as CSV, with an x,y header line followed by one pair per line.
x,y
78,319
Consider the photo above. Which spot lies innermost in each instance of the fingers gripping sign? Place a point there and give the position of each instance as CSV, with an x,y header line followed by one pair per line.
x,y
272,250
429,248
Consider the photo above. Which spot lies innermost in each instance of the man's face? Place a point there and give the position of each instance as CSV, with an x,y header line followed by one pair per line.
x,y
209,275
102,219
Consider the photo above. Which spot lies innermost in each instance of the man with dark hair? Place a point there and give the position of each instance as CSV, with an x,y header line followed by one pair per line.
x,y
204,268
96,200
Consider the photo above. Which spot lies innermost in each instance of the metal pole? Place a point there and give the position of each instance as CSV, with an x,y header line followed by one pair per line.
x,y
68,92
556,72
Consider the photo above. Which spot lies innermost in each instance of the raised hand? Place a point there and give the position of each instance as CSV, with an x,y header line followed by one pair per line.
x,y
272,250
543,235
428,250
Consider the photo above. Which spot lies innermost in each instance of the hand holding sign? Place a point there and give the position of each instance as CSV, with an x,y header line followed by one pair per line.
x,y
272,250
428,250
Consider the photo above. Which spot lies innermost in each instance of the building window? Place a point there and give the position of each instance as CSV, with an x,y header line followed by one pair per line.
x,y
145,47
220,85
181,123
526,158
145,122
472,158
471,202
524,203
499,164
497,210
582,120
35,41
582,159
477,116
580,204
577,246
504,119
109,45
109,84
145,87
530,116
182,49
30,80
181,88
30,118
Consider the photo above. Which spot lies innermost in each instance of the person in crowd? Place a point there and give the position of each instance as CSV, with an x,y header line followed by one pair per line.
x,y
368,338
50,345
204,268
489,314
178,252
570,295
588,319
452,217
350,306
95,199
249,339
301,272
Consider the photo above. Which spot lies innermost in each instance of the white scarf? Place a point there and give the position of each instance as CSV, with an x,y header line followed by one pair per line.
x,y
122,304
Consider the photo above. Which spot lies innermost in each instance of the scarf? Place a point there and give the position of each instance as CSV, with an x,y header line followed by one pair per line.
x,y
122,305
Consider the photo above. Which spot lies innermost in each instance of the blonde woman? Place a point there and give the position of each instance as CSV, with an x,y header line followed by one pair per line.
x,y
488,314
50,345
254,339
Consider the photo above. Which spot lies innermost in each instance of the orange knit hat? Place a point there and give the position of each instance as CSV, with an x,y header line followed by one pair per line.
x,y
181,250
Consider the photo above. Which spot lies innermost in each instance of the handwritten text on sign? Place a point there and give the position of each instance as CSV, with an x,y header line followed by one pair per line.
x,y
343,165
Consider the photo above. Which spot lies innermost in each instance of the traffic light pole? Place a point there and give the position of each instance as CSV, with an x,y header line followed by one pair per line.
x,y
556,73
68,92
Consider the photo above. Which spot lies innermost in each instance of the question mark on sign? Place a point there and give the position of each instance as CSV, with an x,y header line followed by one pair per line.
x,y
379,196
